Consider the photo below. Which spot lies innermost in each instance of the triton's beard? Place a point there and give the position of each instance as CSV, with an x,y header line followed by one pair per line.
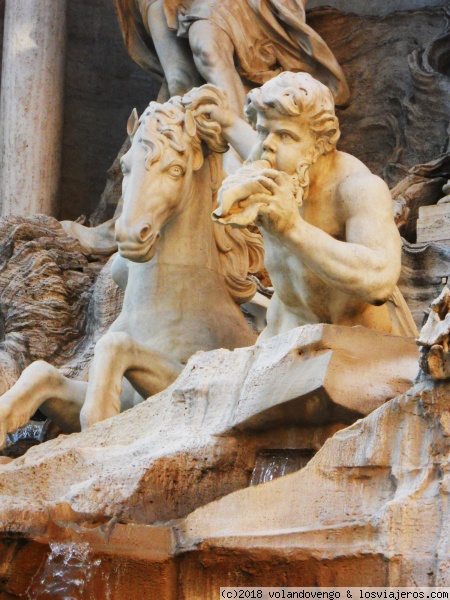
x,y
302,177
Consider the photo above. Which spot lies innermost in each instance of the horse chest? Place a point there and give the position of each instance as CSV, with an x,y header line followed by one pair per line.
x,y
181,311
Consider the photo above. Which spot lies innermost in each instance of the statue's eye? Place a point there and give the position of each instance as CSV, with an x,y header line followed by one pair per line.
x,y
176,171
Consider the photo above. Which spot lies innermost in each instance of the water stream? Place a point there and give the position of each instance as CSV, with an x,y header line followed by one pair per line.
x,y
271,464
66,574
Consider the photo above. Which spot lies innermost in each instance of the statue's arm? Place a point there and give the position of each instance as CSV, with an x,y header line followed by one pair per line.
x,y
237,132
241,136
367,264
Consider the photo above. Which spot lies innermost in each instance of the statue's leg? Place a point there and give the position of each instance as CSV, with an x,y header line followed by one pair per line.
x,y
173,53
213,54
42,386
117,355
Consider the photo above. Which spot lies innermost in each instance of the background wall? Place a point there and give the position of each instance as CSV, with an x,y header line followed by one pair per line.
x,y
375,7
103,85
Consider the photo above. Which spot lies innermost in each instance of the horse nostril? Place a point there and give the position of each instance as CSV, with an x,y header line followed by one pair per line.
x,y
144,233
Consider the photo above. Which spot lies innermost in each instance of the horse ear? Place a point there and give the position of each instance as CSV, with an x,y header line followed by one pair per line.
x,y
189,123
133,123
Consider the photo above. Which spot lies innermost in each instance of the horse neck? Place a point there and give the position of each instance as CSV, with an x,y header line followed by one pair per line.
x,y
188,237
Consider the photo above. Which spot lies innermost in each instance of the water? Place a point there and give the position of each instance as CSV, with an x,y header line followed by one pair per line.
x,y
20,441
67,573
33,430
33,433
271,464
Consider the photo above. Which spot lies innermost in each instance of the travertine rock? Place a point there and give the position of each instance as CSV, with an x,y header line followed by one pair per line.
x,y
425,269
197,440
435,337
434,224
369,509
396,69
44,284
421,187
54,304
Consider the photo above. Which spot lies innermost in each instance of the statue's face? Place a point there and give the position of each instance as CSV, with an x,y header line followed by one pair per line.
x,y
284,141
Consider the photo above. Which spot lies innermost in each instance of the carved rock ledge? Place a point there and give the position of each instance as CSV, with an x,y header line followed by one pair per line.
x,y
204,431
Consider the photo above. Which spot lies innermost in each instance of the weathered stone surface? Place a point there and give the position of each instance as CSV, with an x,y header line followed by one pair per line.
x,y
44,283
54,304
422,186
425,269
204,431
396,69
434,338
370,509
434,223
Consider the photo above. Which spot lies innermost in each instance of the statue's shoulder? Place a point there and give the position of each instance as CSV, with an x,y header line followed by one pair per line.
x,y
348,165
357,185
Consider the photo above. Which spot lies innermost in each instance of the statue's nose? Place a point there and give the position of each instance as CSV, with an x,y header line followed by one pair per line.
x,y
269,143
137,233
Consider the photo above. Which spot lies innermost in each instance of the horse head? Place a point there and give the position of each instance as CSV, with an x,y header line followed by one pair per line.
x,y
169,144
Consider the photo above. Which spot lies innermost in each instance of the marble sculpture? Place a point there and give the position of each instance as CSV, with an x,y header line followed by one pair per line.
x,y
234,44
331,245
166,240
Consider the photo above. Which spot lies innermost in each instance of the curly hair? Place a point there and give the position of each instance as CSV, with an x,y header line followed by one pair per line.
x,y
295,94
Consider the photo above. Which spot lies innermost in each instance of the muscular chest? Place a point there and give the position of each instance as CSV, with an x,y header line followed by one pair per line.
x,y
322,211
298,286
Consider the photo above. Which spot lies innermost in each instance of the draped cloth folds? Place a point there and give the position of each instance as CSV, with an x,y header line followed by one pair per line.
x,y
269,36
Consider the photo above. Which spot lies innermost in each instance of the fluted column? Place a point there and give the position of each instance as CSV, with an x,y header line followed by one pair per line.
x,y
31,106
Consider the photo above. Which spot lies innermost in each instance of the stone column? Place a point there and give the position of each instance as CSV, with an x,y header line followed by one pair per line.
x,y
31,106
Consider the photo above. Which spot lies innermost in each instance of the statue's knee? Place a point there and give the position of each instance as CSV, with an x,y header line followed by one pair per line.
x,y
112,343
208,51
42,371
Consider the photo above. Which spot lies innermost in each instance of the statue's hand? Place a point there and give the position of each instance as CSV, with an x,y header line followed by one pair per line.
x,y
223,115
236,206
278,210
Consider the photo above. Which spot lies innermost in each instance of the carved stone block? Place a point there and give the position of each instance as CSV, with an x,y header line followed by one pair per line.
x,y
434,223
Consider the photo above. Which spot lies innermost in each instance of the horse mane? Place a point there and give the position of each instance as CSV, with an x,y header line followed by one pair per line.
x,y
240,251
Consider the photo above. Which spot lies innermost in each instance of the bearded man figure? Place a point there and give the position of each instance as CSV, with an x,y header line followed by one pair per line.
x,y
332,248
233,44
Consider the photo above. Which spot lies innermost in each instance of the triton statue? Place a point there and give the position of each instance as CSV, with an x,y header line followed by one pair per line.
x,y
331,245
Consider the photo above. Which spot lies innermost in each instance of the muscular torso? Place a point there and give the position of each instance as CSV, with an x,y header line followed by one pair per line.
x,y
301,296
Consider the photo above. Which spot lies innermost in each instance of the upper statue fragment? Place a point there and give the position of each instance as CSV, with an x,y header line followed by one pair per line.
x,y
230,43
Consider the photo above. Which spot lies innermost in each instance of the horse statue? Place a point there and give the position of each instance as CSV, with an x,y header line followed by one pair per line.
x,y
184,276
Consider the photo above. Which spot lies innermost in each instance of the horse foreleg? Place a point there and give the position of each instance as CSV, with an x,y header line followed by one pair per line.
x,y
118,355
41,386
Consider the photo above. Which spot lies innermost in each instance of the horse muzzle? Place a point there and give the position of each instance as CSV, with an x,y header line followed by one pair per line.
x,y
137,243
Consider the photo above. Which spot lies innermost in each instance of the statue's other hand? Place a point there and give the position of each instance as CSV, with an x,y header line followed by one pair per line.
x,y
223,115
